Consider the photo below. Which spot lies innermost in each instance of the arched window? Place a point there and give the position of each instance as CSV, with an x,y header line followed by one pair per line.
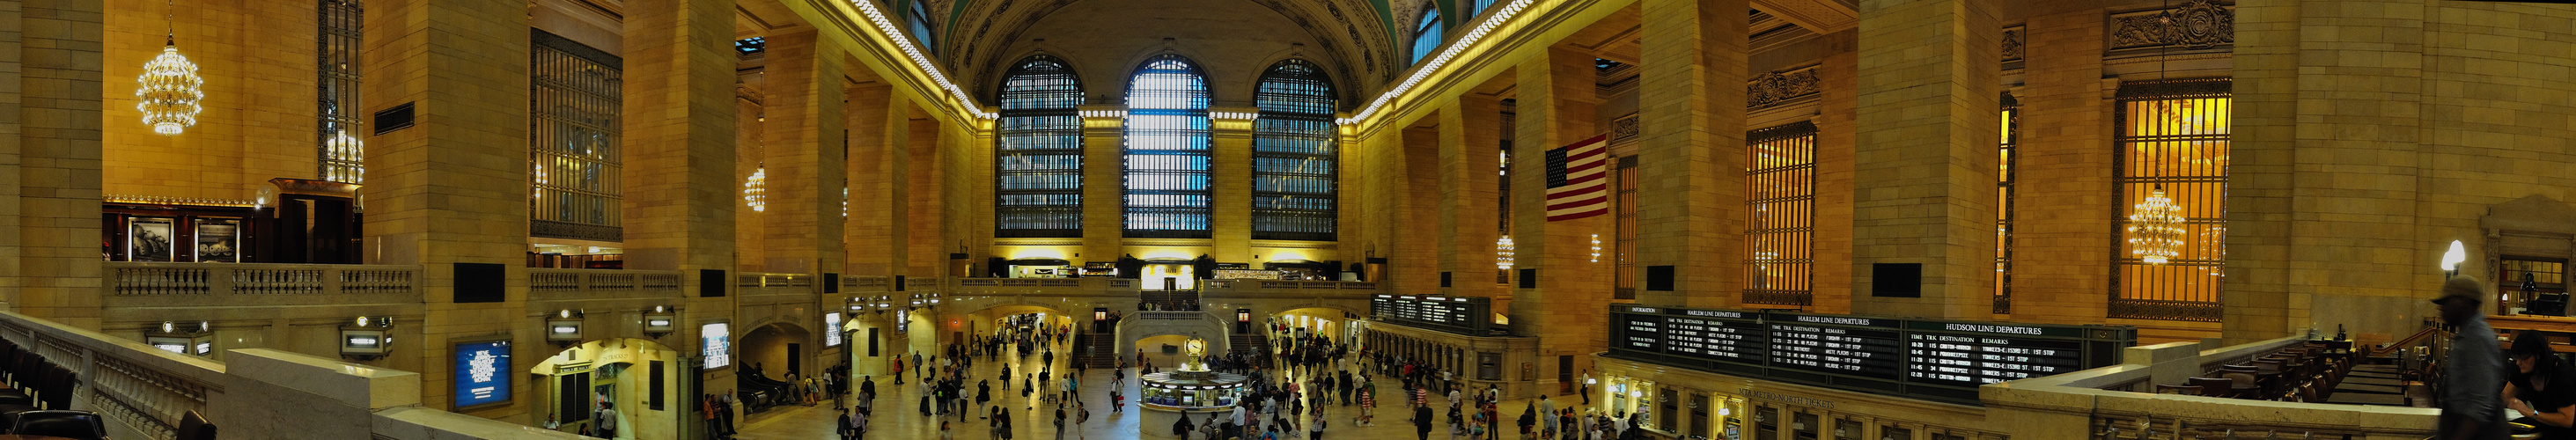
x,y
1478,7
920,21
1167,150
1426,33
1293,171
1037,157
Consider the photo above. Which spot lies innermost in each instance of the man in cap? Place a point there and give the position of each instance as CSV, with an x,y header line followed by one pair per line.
x,y
2476,369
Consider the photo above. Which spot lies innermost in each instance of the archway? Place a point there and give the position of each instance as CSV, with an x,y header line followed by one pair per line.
x,y
775,350
639,380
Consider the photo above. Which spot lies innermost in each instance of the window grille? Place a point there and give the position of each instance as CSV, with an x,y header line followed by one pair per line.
x,y
573,152
1038,157
2173,134
748,46
1426,33
1166,163
1294,174
2004,203
1625,248
342,149
1780,223
919,20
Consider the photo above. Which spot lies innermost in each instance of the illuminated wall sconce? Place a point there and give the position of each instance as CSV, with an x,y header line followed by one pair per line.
x,y
195,338
564,327
366,338
658,321
1242,315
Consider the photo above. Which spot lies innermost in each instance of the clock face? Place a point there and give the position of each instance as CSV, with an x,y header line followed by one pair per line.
x,y
1196,348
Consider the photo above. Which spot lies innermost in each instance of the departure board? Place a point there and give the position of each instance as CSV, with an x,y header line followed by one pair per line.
x,y
1463,315
1927,359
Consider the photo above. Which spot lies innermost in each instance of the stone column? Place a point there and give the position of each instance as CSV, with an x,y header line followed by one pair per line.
x,y
804,151
1469,130
869,232
49,85
1103,149
922,191
1230,216
1568,307
451,193
2062,208
1412,252
681,190
1690,194
1924,192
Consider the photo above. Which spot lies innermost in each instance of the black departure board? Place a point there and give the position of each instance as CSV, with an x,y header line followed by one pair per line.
x,y
1463,315
1928,359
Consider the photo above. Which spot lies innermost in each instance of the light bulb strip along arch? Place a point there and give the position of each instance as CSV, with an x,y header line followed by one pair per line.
x,y
913,52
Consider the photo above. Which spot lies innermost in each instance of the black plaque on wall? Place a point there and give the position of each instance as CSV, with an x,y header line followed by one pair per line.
x,y
393,118
898,283
711,283
1529,278
481,283
831,283
1659,278
1896,280
1444,279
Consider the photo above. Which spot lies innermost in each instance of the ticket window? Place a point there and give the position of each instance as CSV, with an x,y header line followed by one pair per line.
x,y
1805,426
1699,412
1643,393
1668,410
1766,423
1618,395
1846,429
1894,433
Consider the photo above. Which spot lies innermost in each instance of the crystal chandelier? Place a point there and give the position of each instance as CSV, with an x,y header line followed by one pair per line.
x,y
752,192
2155,228
1596,248
346,148
168,89
1503,253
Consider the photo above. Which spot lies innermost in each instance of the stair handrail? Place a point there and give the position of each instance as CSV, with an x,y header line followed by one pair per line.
x,y
2401,344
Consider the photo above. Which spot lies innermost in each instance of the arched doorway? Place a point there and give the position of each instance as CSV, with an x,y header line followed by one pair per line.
x,y
638,380
776,350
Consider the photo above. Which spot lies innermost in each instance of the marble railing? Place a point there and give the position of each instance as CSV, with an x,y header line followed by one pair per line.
x,y
869,283
762,283
142,393
1042,286
2100,404
546,284
153,279
1287,288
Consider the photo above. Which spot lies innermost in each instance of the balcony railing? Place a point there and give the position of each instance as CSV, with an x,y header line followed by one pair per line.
x,y
550,284
152,279
759,283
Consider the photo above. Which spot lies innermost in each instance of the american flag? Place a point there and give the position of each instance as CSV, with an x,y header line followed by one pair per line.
x,y
1577,184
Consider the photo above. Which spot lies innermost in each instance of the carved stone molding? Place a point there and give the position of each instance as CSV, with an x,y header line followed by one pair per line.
x,y
1624,129
2013,44
2198,24
1776,88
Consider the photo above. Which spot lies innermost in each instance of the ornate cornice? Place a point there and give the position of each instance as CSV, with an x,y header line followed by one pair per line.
x,y
2198,24
1776,88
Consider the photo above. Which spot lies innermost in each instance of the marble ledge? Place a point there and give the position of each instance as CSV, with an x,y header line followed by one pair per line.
x,y
358,386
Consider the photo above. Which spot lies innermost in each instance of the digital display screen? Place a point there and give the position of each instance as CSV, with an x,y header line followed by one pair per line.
x,y
362,341
482,373
1466,315
718,344
173,348
1919,358
832,329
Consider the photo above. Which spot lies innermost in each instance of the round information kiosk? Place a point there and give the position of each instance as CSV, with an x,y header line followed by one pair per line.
x,y
1190,390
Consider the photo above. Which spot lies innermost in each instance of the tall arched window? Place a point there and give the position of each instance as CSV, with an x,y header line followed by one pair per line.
x,y
1167,150
1426,32
1037,157
1293,171
919,20
1478,7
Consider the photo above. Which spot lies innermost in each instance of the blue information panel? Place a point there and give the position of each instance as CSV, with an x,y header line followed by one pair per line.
x,y
482,373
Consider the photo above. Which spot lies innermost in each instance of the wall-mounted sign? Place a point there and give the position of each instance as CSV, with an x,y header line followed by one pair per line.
x,y
482,373
717,341
1919,358
832,329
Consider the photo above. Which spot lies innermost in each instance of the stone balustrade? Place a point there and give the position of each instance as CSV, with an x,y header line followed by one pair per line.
x,y
565,284
763,283
132,279
2103,403
1248,288
142,392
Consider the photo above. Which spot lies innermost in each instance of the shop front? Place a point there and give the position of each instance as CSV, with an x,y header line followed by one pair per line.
x,y
638,381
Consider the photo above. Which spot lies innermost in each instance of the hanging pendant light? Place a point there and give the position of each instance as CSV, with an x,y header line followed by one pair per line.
x,y
168,89
2155,228
1503,253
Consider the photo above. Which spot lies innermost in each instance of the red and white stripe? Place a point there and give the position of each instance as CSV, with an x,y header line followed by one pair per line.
x,y
1586,191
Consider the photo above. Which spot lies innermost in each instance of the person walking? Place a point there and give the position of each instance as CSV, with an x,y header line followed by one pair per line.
x,y
2474,375
1421,422
1315,429
1059,423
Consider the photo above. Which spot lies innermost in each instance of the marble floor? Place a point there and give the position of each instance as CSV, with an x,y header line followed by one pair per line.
x,y
898,414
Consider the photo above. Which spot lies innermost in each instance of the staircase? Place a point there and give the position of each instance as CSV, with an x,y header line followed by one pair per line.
x,y
1096,350
1249,343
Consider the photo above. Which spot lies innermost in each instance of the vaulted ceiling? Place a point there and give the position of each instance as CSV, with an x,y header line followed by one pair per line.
x,y
1350,36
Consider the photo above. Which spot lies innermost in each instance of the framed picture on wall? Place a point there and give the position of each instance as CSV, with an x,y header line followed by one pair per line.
x,y
1529,371
149,239
219,240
